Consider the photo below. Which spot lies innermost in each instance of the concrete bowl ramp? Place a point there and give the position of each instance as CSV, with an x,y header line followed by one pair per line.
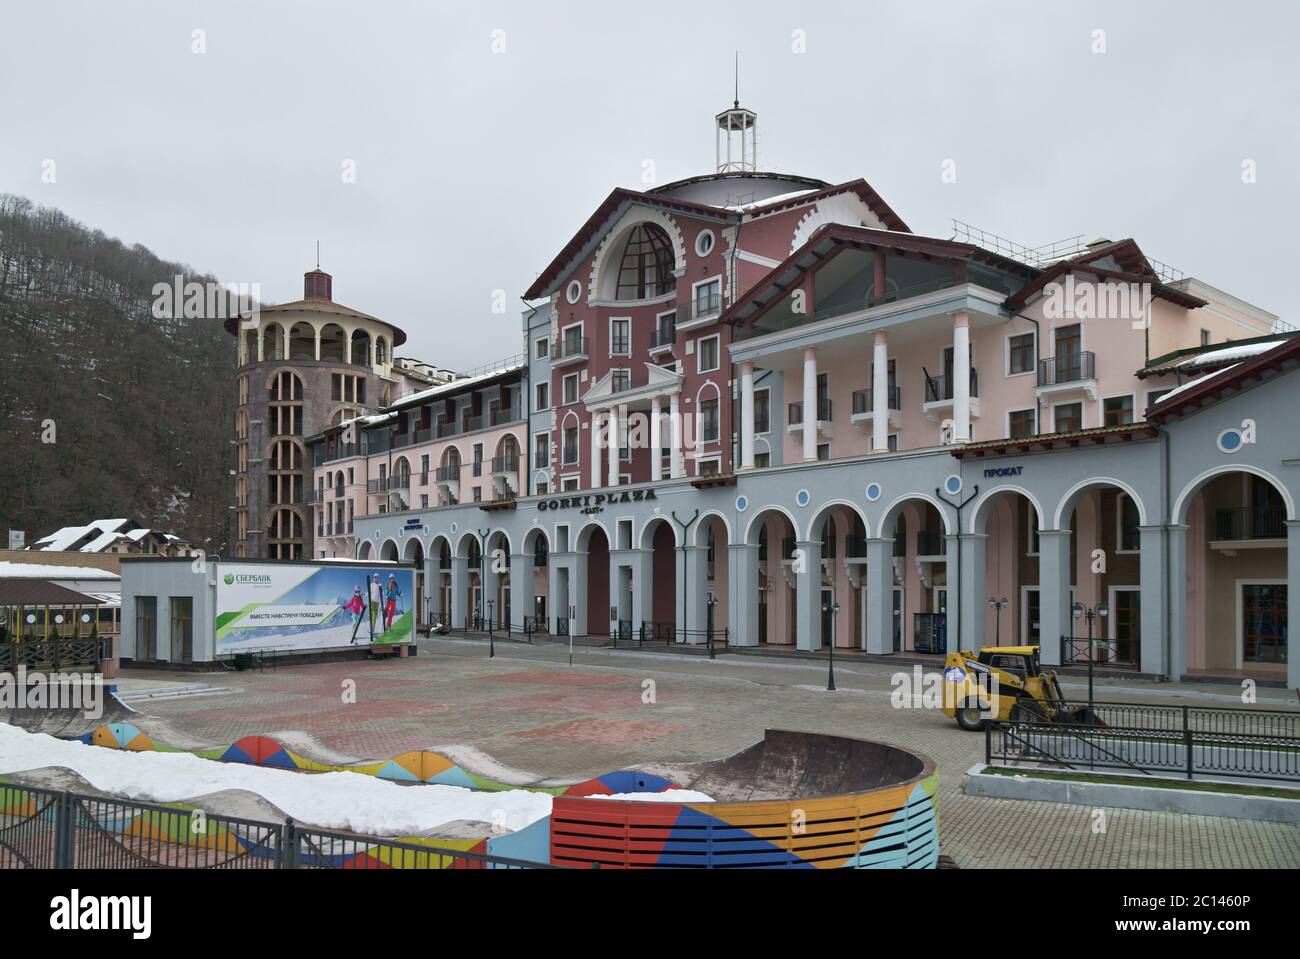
x,y
794,801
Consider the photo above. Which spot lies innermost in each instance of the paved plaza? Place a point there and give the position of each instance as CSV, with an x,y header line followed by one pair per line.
x,y
531,712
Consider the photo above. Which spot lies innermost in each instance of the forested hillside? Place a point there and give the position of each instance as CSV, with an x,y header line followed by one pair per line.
x,y
141,408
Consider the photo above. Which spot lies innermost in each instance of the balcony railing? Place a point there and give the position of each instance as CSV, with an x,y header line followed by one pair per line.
x,y
855,546
1250,522
448,474
938,389
864,400
506,414
663,337
929,542
569,348
399,481
341,451
1068,368
506,464
795,417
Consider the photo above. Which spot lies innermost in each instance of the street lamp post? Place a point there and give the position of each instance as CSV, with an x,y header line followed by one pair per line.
x,y
573,612
1090,613
713,604
832,607
492,652
999,605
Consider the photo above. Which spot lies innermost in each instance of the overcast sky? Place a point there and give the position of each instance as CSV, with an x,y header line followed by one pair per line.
x,y
475,164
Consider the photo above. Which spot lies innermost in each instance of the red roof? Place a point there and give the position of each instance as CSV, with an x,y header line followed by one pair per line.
x,y
1134,268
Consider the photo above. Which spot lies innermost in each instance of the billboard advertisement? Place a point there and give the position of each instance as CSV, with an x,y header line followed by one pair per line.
x,y
280,606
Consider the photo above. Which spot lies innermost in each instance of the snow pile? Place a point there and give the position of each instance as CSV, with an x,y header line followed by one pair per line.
x,y
341,800
668,795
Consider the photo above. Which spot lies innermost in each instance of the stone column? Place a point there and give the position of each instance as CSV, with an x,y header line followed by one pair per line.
x,y
1154,600
697,592
742,603
880,394
961,378
521,588
1055,619
595,450
656,441
808,598
1293,596
613,444
1178,634
971,592
880,595
746,416
677,464
459,591
809,405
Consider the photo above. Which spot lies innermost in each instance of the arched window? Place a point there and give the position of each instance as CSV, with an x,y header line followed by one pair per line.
x,y
646,269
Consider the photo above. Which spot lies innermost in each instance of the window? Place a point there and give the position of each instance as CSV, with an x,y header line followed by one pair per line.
x,y
1119,410
573,291
707,299
620,381
1264,622
1129,539
542,489
1205,337
707,354
570,445
1031,524
893,443
704,243
709,420
762,459
478,459
541,450
182,634
620,337
1020,354
146,627
1020,423
646,269
762,411
478,494
709,468
543,396
570,484
1069,417
571,388
541,347
823,451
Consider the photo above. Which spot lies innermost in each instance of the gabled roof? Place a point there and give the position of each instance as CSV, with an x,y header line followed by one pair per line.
x,y
620,198
1207,359
829,240
1190,397
38,592
1133,268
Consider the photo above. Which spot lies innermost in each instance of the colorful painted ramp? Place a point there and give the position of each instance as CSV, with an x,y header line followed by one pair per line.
x,y
798,801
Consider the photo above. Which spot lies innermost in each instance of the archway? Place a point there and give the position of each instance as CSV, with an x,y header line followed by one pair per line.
x,y
1233,595
496,581
413,552
302,342
660,605
333,343
1009,518
841,530
388,551
595,544
774,602
537,598
712,580
440,585
920,612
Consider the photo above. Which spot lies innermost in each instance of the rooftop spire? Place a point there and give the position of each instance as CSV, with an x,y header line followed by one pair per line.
x,y
736,137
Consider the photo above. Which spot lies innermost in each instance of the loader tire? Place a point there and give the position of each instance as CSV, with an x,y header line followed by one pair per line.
x,y
969,718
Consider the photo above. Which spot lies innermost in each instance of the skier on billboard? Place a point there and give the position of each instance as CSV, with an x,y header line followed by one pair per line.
x,y
376,604
356,606
390,610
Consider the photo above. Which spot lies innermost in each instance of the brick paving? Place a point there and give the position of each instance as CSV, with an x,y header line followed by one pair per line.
x,y
529,710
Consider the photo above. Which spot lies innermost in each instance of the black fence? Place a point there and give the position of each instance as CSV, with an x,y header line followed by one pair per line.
x,y
1187,741
47,829
1106,653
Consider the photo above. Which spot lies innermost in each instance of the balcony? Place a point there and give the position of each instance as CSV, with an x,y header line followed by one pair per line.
x,y
938,395
1068,373
794,417
864,406
705,308
400,481
929,543
505,414
1248,527
663,338
505,465
571,349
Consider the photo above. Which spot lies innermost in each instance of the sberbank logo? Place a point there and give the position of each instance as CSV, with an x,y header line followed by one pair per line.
x,y
247,579
230,578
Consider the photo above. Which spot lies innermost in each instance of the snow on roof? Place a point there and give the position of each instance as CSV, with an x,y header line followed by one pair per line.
x,y
102,542
768,201
62,538
1196,382
454,386
52,571
1226,354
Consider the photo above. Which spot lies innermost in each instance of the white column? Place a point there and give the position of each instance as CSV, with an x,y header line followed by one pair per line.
x,y
656,442
961,379
595,450
747,416
613,444
676,465
880,395
809,405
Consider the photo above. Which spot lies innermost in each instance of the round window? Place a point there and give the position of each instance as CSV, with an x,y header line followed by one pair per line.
x,y
704,243
573,292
